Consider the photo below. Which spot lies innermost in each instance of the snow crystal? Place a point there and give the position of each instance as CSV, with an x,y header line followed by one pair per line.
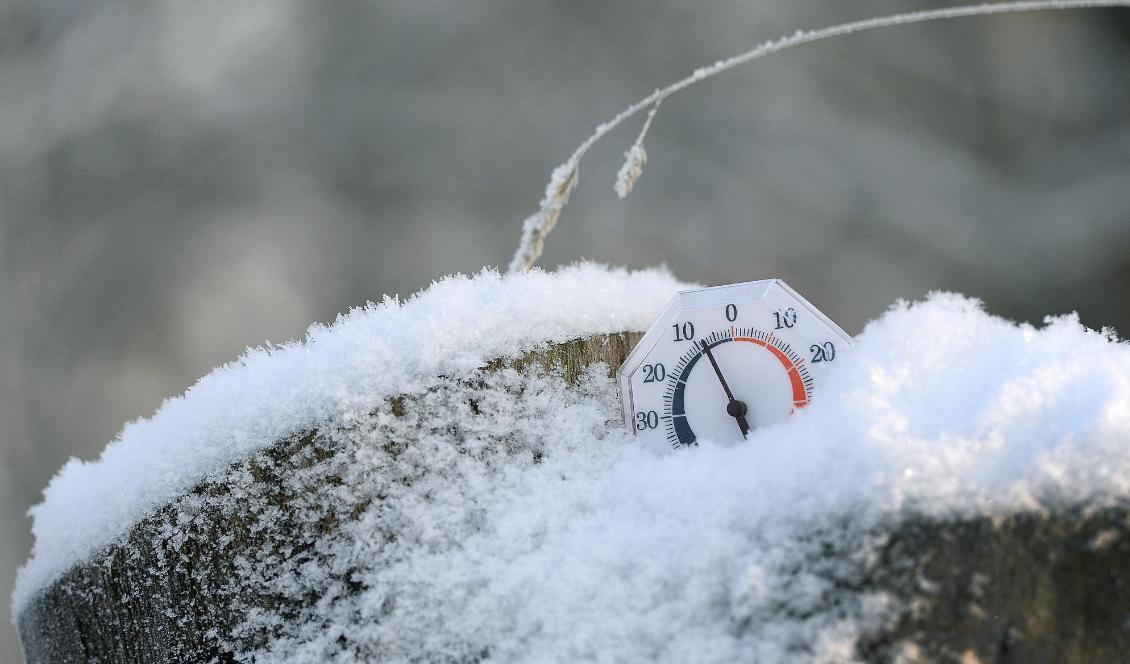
x,y
606,551
457,324
522,529
572,542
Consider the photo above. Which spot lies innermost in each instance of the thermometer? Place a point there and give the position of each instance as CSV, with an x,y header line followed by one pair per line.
x,y
722,361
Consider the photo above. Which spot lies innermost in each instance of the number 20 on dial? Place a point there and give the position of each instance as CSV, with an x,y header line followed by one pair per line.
x,y
722,361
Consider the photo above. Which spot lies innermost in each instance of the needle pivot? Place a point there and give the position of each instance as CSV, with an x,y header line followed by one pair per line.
x,y
734,408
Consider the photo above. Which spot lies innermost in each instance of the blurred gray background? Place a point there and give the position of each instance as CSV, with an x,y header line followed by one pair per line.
x,y
181,180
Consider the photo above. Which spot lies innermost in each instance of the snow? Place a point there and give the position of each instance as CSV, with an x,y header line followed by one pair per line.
x,y
536,529
606,551
457,324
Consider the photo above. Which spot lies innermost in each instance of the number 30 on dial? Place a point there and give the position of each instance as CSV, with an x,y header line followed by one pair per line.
x,y
720,362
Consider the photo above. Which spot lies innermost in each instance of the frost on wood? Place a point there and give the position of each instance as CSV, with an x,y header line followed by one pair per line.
x,y
458,324
277,545
946,496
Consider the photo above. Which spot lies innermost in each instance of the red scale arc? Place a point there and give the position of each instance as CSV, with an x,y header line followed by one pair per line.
x,y
800,397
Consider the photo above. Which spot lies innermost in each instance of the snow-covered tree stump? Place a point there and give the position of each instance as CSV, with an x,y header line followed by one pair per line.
x,y
179,586
1027,588
446,507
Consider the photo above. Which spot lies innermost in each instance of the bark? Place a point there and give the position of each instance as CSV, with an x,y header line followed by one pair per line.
x,y
176,586
1030,587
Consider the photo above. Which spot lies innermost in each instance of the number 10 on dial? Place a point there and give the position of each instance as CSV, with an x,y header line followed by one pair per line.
x,y
720,362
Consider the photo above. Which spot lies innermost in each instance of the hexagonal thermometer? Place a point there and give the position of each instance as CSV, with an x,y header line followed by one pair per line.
x,y
722,361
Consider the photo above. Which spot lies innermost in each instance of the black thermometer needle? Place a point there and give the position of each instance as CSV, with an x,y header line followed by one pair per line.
x,y
734,408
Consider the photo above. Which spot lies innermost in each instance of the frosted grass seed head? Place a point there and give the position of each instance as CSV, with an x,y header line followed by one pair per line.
x,y
539,225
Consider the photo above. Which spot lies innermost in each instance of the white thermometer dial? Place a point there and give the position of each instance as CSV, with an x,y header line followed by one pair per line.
x,y
722,361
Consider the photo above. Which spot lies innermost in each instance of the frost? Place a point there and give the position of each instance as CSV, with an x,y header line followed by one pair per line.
x,y
630,171
634,159
507,516
564,178
602,550
337,372
539,225
564,542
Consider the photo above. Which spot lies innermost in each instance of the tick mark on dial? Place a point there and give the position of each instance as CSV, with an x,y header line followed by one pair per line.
x,y
734,408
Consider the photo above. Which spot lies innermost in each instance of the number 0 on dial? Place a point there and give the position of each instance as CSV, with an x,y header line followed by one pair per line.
x,y
722,361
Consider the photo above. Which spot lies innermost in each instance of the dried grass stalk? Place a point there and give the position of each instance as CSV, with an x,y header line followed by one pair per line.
x,y
564,179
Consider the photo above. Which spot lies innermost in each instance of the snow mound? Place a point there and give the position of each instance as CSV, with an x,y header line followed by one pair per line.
x,y
456,325
532,527
602,550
